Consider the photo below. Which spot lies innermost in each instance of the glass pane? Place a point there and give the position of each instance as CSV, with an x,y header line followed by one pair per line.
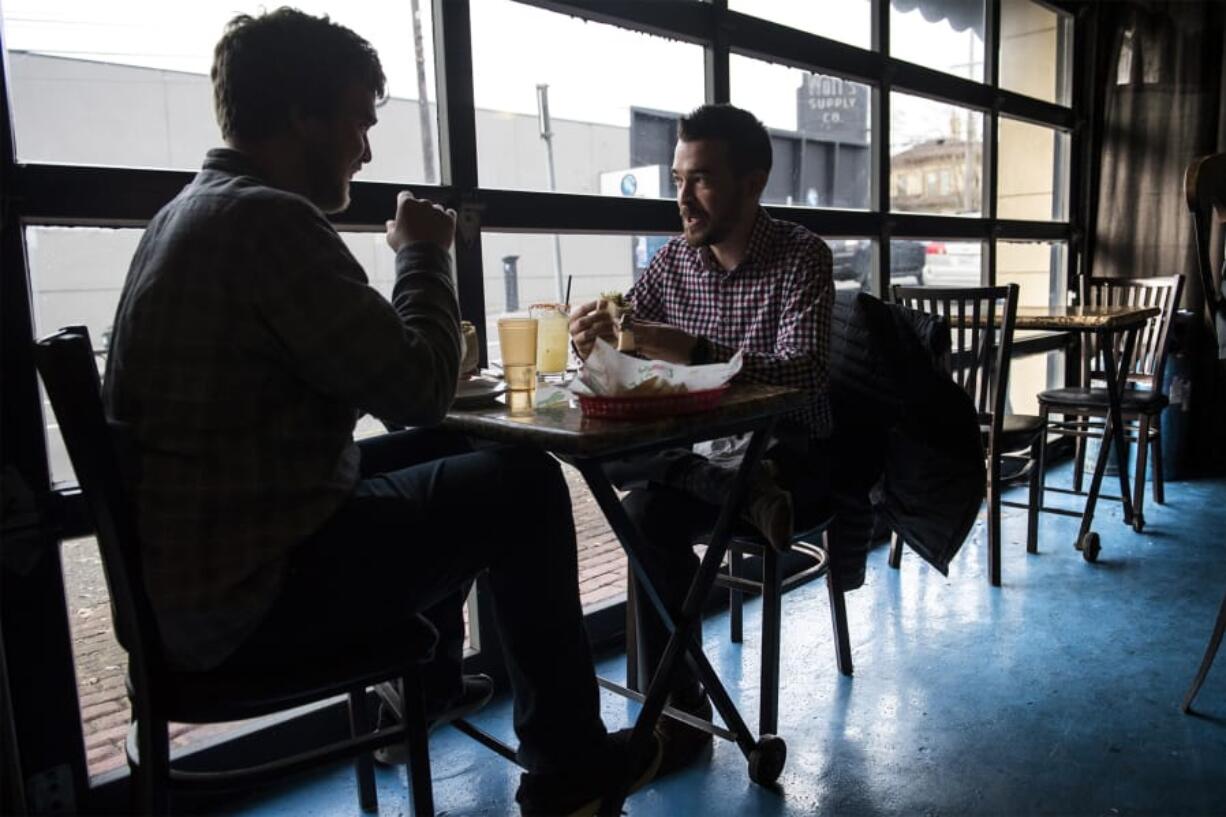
x,y
1039,270
1033,172
128,84
936,157
819,128
1035,50
520,271
855,263
604,125
946,35
848,21
942,263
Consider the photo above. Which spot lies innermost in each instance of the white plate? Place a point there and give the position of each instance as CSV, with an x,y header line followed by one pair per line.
x,y
477,393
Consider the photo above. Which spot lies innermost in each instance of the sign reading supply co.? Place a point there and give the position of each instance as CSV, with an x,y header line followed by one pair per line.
x,y
833,109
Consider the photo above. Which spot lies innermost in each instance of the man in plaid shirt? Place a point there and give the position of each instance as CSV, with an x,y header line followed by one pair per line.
x,y
736,279
247,343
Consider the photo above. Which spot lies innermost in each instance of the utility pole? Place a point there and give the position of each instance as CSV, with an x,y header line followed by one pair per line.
x,y
542,111
423,100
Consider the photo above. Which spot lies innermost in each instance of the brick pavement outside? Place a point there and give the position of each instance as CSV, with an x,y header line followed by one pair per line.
x,y
101,663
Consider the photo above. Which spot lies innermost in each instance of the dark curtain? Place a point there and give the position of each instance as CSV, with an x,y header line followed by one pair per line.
x,y
1159,84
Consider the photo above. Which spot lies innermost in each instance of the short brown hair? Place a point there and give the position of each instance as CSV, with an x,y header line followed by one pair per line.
x,y
749,145
267,67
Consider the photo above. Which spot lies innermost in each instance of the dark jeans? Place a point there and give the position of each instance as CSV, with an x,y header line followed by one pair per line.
x,y
671,520
422,522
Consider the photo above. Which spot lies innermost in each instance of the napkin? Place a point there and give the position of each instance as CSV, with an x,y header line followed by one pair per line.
x,y
610,373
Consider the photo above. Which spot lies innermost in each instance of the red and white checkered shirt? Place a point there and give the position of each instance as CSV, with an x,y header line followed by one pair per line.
x,y
774,306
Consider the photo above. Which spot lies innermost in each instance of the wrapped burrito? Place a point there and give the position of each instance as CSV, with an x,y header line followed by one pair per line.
x,y
621,312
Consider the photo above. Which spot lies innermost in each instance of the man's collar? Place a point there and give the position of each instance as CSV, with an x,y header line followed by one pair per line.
x,y
755,248
230,161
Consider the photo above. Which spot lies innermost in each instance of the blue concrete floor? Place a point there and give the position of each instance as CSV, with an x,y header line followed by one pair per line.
x,y
1056,694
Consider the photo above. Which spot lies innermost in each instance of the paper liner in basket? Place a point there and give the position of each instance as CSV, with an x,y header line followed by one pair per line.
x,y
610,373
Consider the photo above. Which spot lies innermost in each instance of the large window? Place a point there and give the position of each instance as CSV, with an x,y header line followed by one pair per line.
x,y
561,117
127,83
947,36
820,132
921,160
937,152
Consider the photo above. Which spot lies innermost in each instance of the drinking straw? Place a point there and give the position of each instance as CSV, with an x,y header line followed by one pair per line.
x,y
569,279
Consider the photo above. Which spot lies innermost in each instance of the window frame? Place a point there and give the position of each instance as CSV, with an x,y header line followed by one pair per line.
x,y
39,194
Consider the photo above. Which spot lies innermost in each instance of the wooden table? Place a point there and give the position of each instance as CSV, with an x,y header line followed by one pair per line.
x,y
587,443
1104,322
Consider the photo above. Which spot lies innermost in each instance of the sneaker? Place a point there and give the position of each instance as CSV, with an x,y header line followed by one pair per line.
x,y
477,692
682,745
769,509
579,794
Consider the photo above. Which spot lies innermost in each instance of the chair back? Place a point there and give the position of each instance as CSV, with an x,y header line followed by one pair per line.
x,y
1205,188
1149,354
65,360
981,321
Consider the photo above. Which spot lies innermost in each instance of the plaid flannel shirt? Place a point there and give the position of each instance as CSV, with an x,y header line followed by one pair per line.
x,y
246,344
774,306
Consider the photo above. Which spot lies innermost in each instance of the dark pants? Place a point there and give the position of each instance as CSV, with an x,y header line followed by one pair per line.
x,y
422,522
671,520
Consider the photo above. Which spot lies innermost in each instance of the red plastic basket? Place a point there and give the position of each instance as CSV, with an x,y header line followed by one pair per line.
x,y
643,408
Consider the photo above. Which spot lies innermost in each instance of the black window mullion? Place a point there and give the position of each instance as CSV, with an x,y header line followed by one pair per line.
x,y
457,117
990,159
716,57
881,147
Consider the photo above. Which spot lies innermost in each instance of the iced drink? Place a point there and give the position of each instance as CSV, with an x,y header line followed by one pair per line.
x,y
552,337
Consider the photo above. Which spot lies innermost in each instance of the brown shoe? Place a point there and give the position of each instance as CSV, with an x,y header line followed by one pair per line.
x,y
769,509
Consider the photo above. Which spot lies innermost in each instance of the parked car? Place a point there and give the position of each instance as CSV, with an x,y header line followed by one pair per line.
x,y
853,262
952,264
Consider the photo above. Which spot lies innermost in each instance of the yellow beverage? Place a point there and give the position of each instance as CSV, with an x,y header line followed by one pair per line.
x,y
517,337
552,337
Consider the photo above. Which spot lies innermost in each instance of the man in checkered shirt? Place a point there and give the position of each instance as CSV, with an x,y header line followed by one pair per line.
x,y
736,279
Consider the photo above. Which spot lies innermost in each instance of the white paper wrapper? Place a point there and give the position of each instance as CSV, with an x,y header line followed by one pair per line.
x,y
609,373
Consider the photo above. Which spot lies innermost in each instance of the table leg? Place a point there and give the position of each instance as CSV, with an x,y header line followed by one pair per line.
x,y
1117,380
683,639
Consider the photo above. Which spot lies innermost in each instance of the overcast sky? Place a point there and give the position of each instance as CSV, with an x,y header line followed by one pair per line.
x,y
595,72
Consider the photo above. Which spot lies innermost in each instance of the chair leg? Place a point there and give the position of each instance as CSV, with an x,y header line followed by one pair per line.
x,y
736,599
1206,663
772,587
153,769
363,764
1156,445
1037,464
895,550
632,632
838,614
417,744
1138,488
994,521
1079,458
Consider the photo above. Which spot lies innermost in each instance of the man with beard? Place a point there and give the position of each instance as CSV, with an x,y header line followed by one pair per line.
x,y
736,279
248,341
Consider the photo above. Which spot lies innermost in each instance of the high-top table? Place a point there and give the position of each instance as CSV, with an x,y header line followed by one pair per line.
x,y
587,443
1107,324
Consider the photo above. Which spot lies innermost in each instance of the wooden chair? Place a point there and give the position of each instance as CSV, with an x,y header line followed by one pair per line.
x,y
981,323
160,694
1205,186
814,545
1084,409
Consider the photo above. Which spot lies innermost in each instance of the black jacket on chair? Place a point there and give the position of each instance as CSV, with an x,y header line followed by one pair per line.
x,y
906,441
